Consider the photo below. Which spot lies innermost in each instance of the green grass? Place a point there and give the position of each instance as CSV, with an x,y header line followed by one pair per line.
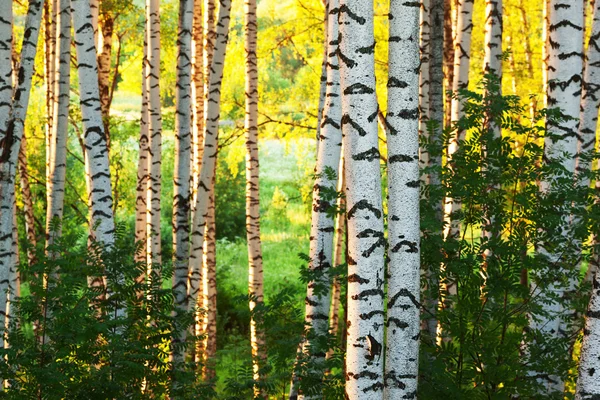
x,y
285,228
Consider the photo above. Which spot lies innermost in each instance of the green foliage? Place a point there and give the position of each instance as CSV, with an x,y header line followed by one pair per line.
x,y
487,349
70,339
230,201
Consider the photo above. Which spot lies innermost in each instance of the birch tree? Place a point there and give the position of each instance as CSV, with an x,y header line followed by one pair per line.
x,y
588,384
102,223
590,96
198,96
58,155
366,242
493,37
449,37
142,171
209,291
403,324
565,65
152,70
10,142
323,80
50,11
425,72
338,256
322,224
104,45
436,109
27,201
207,347
588,116
462,58
255,268
181,178
6,65
211,131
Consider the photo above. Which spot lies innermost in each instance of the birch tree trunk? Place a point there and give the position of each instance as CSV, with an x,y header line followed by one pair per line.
x,y
6,65
436,104
492,65
102,223
424,75
206,321
211,131
338,253
27,201
462,58
590,96
10,142
493,38
366,242
322,224
95,10
449,28
588,384
152,68
209,289
181,177
51,11
58,155
141,235
198,94
255,273
403,323
323,80
565,65
104,48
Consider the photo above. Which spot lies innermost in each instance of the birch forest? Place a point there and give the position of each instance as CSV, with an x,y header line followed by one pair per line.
x,y
299,199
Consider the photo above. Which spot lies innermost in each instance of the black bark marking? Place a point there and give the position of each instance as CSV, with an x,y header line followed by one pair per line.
x,y
346,119
363,205
358,88
369,155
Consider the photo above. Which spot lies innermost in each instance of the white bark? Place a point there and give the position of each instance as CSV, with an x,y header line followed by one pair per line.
x,y
58,156
209,292
366,242
6,66
323,224
181,179
102,223
338,259
588,384
255,263
403,324
152,67
590,97
323,80
198,74
462,58
565,65
424,76
211,131
9,148
142,171
50,11
436,104
27,201
493,37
